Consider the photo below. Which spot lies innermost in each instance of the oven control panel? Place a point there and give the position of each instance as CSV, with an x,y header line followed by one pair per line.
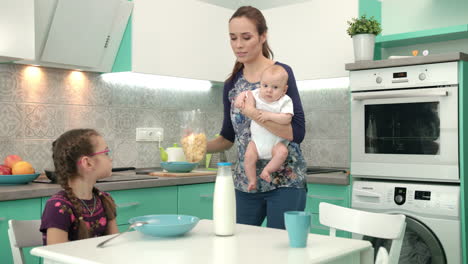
x,y
429,199
405,77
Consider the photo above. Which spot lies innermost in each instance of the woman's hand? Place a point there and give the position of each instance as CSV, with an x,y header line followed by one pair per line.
x,y
249,107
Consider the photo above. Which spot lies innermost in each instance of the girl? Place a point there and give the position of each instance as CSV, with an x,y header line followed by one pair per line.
x,y
286,191
80,210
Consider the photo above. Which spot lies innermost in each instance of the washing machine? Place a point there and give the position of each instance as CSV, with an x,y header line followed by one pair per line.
x,y
432,216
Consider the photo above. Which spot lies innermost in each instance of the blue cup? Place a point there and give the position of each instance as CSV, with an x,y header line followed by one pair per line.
x,y
298,226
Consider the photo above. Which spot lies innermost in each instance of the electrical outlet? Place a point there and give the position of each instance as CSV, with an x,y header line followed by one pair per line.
x,y
149,134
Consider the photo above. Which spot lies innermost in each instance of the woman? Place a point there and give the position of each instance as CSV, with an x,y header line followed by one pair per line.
x,y
287,189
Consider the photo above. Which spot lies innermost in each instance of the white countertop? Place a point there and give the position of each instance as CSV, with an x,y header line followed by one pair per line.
x,y
250,244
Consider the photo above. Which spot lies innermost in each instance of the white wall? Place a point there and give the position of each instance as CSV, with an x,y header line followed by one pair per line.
x,y
311,37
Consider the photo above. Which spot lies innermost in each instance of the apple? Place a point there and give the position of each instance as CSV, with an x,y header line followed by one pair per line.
x,y
10,160
4,170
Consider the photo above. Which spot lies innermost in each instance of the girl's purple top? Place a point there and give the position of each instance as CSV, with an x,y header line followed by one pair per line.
x,y
60,213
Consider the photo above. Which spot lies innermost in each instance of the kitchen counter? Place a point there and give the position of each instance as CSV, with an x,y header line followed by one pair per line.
x,y
436,58
34,190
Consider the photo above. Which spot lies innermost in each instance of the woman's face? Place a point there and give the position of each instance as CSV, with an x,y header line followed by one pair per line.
x,y
245,41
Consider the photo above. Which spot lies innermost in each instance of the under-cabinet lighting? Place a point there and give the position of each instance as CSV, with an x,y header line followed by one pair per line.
x,y
342,82
157,81
32,72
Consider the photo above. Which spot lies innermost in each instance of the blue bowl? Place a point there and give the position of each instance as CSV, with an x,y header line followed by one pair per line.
x,y
165,225
179,166
17,178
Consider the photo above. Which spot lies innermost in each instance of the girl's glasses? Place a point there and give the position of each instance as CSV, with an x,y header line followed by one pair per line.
x,y
106,151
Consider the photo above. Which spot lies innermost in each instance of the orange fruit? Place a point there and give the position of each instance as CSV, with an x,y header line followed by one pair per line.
x,y
22,167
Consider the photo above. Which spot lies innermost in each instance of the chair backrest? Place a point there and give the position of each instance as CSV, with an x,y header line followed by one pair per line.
x,y
23,233
387,226
382,256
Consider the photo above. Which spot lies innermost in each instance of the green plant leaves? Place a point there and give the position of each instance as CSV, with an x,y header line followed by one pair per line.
x,y
363,25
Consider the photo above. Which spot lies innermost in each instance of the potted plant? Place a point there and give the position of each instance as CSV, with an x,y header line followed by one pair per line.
x,y
363,31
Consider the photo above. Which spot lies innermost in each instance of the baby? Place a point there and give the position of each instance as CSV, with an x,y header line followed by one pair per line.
x,y
275,106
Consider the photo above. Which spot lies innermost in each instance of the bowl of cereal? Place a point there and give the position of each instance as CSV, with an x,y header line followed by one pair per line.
x,y
179,166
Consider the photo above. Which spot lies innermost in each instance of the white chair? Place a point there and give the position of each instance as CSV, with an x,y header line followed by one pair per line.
x,y
382,256
387,226
23,233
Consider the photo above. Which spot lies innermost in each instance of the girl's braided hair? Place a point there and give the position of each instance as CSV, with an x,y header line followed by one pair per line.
x,y
66,150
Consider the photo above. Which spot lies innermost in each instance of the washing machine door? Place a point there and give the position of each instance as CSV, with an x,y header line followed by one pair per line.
x,y
420,245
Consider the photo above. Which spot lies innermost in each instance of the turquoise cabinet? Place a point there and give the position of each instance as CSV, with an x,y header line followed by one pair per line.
x,y
137,202
334,194
28,209
196,200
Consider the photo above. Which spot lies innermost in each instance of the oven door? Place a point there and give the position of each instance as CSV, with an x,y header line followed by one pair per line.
x,y
409,134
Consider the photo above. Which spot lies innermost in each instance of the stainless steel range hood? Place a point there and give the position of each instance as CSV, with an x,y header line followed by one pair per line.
x,y
84,34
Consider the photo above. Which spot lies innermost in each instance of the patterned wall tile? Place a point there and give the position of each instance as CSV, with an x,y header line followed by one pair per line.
x,y
124,95
12,125
43,121
55,101
124,123
148,154
125,153
328,153
99,118
330,98
100,91
11,147
333,124
38,153
9,82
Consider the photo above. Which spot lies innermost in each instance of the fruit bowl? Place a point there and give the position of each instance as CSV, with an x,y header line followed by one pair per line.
x,y
17,178
165,225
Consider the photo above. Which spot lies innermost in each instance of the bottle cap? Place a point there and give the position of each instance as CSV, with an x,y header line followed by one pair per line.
x,y
224,164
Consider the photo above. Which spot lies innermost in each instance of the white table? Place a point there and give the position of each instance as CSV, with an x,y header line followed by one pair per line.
x,y
250,244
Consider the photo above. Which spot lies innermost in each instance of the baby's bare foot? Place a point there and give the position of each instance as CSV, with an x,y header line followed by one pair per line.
x,y
265,175
252,186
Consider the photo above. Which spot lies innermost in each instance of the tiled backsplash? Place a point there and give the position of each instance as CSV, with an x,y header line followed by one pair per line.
x,y
38,104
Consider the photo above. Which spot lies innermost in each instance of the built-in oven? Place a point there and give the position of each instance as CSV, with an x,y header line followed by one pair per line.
x,y
405,122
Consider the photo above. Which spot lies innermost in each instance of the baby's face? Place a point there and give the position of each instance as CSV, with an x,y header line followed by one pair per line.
x,y
272,87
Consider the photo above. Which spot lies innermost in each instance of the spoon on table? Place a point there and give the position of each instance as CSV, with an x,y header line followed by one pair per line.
x,y
136,224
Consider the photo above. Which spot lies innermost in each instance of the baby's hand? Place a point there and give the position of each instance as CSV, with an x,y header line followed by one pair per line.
x,y
252,186
263,116
240,100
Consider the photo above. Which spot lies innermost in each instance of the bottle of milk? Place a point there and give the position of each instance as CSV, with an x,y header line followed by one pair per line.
x,y
224,201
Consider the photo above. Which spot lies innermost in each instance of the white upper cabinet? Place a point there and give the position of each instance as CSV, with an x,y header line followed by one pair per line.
x,y
16,30
311,37
72,34
182,38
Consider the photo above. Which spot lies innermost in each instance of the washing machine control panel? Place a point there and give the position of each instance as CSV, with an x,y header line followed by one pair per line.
x,y
429,199
400,195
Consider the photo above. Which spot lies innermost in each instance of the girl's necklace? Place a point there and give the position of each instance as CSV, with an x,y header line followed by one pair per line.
x,y
94,206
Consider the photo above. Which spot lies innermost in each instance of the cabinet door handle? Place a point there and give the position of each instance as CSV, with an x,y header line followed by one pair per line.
x,y
206,196
2,218
131,204
398,94
325,197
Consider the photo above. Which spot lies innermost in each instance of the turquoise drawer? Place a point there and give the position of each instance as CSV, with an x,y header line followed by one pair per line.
x,y
136,202
196,200
334,194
